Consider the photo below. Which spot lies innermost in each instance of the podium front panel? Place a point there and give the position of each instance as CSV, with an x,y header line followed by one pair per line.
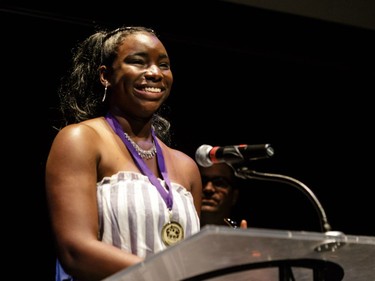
x,y
220,253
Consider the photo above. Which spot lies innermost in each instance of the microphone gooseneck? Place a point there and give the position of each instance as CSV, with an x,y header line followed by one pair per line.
x,y
244,172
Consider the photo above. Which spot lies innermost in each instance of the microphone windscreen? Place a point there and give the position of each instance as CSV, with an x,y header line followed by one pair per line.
x,y
202,155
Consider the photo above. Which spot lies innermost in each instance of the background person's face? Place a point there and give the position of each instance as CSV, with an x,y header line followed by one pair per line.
x,y
218,192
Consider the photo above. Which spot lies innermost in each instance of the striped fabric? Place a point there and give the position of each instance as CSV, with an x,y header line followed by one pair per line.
x,y
132,214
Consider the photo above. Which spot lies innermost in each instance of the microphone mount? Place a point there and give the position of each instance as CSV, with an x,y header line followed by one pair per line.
x,y
245,173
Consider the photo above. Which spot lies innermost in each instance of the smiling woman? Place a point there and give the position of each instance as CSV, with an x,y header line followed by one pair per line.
x,y
295,70
115,190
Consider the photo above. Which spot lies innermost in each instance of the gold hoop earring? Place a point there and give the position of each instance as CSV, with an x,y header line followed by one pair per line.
x,y
105,91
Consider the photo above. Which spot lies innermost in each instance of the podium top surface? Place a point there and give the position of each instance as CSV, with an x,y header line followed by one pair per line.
x,y
219,253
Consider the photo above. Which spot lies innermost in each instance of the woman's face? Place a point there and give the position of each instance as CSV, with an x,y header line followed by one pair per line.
x,y
141,76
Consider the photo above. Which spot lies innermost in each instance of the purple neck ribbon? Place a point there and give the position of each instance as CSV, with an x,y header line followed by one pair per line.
x,y
167,196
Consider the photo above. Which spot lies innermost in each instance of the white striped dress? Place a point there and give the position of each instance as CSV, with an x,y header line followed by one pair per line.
x,y
132,214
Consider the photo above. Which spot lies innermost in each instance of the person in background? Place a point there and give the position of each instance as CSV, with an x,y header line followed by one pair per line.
x,y
117,192
220,191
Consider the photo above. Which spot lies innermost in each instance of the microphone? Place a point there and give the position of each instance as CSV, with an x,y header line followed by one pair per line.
x,y
206,155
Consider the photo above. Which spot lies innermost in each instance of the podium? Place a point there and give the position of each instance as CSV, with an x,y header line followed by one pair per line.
x,y
221,253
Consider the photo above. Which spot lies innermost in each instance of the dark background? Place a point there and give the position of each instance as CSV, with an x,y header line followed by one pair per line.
x,y
242,75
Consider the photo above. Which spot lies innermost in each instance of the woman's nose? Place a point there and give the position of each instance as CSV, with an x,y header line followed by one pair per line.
x,y
152,71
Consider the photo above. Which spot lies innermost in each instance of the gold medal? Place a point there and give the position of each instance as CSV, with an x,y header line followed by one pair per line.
x,y
172,233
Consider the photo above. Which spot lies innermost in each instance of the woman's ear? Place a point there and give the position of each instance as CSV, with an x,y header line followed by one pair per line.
x,y
103,73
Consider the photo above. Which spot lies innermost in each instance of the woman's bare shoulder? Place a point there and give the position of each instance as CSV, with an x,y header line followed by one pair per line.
x,y
79,136
183,162
83,129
